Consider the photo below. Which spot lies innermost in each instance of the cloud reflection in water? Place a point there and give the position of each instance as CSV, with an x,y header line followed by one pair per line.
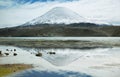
x,y
34,73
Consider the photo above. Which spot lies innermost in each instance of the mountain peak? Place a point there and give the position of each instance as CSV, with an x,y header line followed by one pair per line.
x,y
59,8
58,15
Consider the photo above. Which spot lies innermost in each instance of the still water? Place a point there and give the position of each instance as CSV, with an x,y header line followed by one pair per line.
x,y
97,62
65,38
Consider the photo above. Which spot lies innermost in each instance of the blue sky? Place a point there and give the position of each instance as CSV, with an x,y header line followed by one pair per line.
x,y
17,12
12,3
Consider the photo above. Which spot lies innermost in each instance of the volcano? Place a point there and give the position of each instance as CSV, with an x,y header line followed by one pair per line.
x,y
58,15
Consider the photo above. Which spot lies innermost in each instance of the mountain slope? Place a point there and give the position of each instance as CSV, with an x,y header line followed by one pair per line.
x,y
58,15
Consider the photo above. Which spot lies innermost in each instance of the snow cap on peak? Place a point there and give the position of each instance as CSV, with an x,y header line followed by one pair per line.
x,y
58,15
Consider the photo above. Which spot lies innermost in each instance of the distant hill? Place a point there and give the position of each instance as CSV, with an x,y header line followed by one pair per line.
x,y
81,29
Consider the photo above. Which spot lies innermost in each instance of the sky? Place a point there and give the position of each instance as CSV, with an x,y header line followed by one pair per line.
x,y
17,12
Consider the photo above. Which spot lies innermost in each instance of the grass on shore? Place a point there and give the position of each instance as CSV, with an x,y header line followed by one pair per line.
x,y
6,69
37,43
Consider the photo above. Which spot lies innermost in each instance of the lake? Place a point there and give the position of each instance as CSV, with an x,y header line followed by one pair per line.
x,y
65,38
66,62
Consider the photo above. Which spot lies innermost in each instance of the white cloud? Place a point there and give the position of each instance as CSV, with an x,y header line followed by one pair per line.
x,y
105,10
6,3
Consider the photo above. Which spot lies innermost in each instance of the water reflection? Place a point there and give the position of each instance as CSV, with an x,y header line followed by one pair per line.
x,y
66,56
34,73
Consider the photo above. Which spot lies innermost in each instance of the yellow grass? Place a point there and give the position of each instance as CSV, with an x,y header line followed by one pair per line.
x,y
7,69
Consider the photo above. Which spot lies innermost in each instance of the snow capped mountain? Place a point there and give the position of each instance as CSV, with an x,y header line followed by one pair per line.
x,y
62,15
58,15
